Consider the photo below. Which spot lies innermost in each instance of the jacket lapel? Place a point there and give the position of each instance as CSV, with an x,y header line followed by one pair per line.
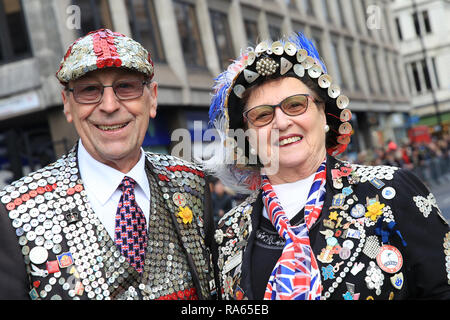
x,y
188,229
247,255
106,258
234,240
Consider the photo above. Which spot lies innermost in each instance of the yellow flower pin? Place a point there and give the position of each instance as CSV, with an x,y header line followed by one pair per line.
x,y
186,214
333,215
374,210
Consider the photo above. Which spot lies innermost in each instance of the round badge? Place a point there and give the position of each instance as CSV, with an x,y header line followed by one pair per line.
x,y
337,184
358,211
345,115
343,139
344,253
388,193
348,244
345,128
38,255
331,241
179,199
389,259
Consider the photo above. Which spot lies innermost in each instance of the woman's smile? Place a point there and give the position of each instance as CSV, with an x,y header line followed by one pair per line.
x,y
289,140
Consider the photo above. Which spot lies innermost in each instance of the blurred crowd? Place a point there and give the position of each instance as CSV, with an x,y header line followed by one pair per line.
x,y
430,161
222,199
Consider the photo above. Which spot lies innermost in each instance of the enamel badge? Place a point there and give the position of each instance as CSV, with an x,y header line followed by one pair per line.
x,y
389,259
397,280
338,201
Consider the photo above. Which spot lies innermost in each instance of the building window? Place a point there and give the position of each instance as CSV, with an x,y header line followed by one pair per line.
x,y
307,7
335,61
366,69
349,47
377,71
298,27
326,11
416,77
14,42
274,32
415,17
399,29
426,74
356,16
274,25
144,25
94,15
189,34
316,35
251,30
290,4
222,37
341,14
426,21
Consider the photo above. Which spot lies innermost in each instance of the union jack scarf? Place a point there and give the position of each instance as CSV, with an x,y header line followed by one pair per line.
x,y
296,275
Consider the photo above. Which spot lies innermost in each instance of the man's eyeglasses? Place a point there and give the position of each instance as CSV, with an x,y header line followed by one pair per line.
x,y
93,92
292,106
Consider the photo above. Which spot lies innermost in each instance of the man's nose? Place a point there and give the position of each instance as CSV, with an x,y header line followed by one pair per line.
x,y
109,102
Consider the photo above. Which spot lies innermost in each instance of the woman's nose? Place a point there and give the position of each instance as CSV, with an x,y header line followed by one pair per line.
x,y
281,120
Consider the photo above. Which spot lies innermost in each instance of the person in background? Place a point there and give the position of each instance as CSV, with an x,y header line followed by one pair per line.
x,y
222,202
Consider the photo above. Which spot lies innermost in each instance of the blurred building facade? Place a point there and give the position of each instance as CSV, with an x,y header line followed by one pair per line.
x,y
424,43
191,41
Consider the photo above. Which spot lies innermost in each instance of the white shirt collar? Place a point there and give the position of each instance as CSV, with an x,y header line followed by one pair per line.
x,y
102,180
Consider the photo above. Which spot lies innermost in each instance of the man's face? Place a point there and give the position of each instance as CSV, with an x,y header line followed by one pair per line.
x,y
112,130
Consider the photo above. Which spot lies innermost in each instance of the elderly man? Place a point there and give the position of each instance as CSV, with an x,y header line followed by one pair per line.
x,y
107,220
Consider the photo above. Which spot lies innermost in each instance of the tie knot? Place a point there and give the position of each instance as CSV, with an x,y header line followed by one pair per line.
x,y
127,183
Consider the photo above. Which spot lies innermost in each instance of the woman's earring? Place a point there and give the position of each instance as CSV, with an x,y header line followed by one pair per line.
x,y
326,128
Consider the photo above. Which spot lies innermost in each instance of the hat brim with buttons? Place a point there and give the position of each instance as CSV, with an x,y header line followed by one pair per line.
x,y
101,49
293,57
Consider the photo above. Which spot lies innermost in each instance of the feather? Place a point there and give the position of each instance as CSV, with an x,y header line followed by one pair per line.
x,y
302,42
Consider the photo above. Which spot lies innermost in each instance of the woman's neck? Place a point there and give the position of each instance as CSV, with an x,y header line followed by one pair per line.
x,y
293,174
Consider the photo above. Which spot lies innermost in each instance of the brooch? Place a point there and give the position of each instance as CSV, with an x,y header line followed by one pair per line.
x,y
186,214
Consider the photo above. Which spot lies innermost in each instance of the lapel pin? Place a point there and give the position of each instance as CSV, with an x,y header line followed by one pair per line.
x,y
397,280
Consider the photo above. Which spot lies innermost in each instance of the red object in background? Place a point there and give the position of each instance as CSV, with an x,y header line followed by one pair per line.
x,y
419,134
392,146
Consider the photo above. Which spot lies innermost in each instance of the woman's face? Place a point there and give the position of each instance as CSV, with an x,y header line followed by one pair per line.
x,y
297,141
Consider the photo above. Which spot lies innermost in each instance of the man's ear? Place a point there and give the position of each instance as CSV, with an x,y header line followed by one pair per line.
x,y
153,88
66,103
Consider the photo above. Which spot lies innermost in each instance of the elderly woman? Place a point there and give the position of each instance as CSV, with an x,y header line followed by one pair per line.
x,y
314,227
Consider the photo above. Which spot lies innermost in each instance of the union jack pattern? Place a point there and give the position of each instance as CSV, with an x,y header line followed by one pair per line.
x,y
296,275
131,227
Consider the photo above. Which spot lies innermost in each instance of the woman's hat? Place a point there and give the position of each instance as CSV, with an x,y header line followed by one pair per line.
x,y
295,57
